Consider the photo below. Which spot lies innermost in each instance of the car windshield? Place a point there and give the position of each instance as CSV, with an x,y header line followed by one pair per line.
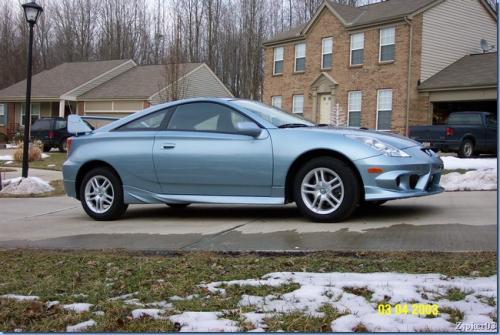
x,y
43,124
274,115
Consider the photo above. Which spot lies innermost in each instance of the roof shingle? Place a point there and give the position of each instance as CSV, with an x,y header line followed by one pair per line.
x,y
470,71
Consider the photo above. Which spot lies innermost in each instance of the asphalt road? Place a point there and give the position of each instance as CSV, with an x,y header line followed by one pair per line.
x,y
452,221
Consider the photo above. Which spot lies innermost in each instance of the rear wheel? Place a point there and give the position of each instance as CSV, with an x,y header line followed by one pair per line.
x,y
101,195
326,190
466,149
63,146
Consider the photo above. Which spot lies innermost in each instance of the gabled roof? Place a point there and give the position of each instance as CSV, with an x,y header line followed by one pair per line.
x,y
478,70
357,17
55,82
140,82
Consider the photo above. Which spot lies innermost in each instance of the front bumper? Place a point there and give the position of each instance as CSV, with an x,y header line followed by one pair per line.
x,y
415,176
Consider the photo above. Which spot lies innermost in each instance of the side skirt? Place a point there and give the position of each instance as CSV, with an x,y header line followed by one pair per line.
x,y
134,195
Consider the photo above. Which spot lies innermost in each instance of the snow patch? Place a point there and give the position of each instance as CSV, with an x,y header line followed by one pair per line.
x,y
476,180
51,304
79,307
124,296
30,185
147,312
82,326
10,146
319,289
6,158
19,297
204,322
454,163
45,156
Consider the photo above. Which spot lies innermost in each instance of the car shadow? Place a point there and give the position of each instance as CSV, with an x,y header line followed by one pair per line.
x,y
389,211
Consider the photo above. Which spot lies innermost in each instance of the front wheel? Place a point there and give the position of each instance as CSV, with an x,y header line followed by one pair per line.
x,y
326,190
101,195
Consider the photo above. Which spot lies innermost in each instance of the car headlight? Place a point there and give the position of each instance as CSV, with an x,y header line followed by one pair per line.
x,y
378,145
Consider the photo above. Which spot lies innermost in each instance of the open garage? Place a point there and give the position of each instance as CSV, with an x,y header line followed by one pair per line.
x,y
469,84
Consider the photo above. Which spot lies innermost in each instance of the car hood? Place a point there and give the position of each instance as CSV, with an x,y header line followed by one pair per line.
x,y
398,141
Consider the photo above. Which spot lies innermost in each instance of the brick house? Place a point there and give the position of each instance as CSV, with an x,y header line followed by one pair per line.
x,y
104,88
362,66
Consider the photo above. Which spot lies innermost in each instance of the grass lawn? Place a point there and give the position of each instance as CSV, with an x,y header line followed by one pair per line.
x,y
53,162
94,277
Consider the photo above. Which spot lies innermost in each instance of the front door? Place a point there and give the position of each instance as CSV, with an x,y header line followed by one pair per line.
x,y
325,108
201,153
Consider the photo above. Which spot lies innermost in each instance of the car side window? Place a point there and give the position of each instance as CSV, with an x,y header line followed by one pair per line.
x,y
151,121
491,122
60,124
206,116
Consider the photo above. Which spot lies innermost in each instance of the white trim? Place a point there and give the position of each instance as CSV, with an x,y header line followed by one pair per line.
x,y
68,96
354,110
278,60
323,52
351,49
376,115
380,44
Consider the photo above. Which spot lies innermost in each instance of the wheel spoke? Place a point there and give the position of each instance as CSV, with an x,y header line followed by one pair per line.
x,y
334,198
316,198
330,202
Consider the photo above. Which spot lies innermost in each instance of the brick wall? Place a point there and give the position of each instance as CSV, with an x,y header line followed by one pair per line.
x,y
368,78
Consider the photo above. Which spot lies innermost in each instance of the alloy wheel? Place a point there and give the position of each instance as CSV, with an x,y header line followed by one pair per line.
x,y
322,190
99,194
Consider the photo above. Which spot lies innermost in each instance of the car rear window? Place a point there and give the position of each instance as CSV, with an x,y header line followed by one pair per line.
x,y
465,119
42,125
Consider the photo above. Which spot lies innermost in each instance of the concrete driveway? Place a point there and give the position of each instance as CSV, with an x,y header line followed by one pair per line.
x,y
452,221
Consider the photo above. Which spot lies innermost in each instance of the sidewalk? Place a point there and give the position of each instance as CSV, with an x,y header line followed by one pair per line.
x,y
47,175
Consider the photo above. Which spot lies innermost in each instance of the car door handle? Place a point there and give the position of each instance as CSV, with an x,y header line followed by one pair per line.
x,y
168,146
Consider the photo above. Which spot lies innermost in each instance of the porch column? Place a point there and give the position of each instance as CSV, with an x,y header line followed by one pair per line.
x,y
314,115
62,103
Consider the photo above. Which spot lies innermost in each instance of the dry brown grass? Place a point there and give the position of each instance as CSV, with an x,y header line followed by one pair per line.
x,y
34,154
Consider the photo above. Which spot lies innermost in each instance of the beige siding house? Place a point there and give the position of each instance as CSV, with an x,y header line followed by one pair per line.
x,y
105,88
363,66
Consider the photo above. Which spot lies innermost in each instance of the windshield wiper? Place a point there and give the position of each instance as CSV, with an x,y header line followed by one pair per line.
x,y
293,125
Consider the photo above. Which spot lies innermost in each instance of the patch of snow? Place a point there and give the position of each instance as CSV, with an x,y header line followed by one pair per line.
x,y
177,298
9,163
99,313
6,158
147,312
124,296
45,156
78,307
204,322
318,289
82,326
10,146
19,297
51,304
30,185
476,180
134,301
453,163
51,165
257,319
161,304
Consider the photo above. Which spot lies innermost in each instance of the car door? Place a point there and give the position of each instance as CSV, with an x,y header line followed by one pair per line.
x,y
201,153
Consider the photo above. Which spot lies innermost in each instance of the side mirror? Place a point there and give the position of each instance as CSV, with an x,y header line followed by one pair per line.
x,y
248,128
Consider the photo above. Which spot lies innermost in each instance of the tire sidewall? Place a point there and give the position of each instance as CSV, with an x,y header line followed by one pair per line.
x,y
117,207
462,149
349,180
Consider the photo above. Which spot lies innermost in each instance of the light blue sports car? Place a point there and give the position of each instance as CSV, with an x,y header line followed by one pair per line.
x,y
233,151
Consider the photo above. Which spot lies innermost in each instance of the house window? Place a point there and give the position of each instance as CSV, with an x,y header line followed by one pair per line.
x,y
2,115
298,104
354,109
300,57
276,101
35,113
387,44
384,109
357,48
326,52
278,61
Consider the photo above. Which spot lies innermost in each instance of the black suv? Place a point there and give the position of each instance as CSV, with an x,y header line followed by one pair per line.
x,y
51,131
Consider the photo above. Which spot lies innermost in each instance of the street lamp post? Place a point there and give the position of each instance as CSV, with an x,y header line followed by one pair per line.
x,y
31,12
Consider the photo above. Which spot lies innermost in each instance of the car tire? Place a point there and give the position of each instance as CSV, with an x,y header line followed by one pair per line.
x,y
326,189
101,195
46,148
177,206
62,146
466,149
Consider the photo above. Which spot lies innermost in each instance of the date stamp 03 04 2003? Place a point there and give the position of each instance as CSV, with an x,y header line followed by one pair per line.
x,y
431,310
